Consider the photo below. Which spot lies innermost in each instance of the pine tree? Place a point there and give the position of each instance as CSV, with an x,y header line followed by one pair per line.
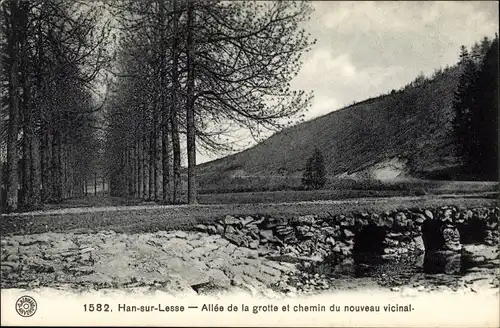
x,y
463,104
315,172
483,154
476,111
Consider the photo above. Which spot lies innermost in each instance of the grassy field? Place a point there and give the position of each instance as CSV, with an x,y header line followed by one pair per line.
x,y
351,187
148,218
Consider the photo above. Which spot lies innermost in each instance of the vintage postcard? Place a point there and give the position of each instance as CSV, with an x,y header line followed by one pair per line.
x,y
249,163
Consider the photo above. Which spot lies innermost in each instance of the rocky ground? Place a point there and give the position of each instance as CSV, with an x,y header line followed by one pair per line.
x,y
198,262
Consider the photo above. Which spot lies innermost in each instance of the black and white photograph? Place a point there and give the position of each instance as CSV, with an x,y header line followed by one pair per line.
x,y
249,163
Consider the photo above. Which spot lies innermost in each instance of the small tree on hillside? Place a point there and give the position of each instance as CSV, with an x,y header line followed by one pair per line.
x,y
315,172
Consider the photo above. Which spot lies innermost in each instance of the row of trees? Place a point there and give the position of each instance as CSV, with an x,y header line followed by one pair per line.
x,y
476,110
52,51
192,71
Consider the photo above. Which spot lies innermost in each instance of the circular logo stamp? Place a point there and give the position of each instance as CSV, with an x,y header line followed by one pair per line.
x,y
26,306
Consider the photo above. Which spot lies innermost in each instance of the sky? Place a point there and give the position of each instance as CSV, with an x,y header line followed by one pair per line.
x,y
365,49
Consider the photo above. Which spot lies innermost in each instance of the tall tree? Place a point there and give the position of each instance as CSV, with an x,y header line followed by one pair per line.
x,y
314,176
476,111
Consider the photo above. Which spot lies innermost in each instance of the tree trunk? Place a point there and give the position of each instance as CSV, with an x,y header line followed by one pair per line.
x,y
145,170
191,141
176,146
13,125
140,164
151,159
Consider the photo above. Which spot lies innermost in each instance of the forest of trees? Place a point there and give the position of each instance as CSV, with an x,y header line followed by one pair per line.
x,y
175,73
51,53
476,110
189,70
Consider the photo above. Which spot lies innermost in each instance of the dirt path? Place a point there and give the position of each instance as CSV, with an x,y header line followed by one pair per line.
x,y
151,218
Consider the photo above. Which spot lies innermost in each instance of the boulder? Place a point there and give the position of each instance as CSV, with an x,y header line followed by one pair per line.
x,y
267,234
246,221
235,238
451,237
401,221
231,220
201,228
218,278
219,229
419,243
419,218
213,230
306,220
304,231
348,233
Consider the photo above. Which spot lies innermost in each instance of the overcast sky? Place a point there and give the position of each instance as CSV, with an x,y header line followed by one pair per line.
x,y
365,49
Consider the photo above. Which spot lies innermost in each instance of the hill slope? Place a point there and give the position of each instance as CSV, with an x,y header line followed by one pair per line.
x,y
403,134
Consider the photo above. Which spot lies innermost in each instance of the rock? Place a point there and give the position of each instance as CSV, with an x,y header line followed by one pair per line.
x,y
254,235
284,231
419,243
235,238
230,230
429,214
181,234
247,253
218,263
330,231
348,233
447,214
8,267
395,289
306,220
201,227
40,266
304,231
254,244
401,221
391,242
177,245
270,223
82,270
394,235
330,241
212,230
451,237
419,218
270,271
219,229
218,278
468,214
488,252
231,220
246,221
222,242
267,234
387,221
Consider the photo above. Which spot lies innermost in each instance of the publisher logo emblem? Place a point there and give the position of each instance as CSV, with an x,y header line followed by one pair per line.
x,y
26,306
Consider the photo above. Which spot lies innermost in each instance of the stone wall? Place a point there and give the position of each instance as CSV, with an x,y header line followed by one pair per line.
x,y
337,237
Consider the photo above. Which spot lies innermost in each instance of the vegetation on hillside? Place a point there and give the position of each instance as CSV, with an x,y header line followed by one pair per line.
x,y
414,124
